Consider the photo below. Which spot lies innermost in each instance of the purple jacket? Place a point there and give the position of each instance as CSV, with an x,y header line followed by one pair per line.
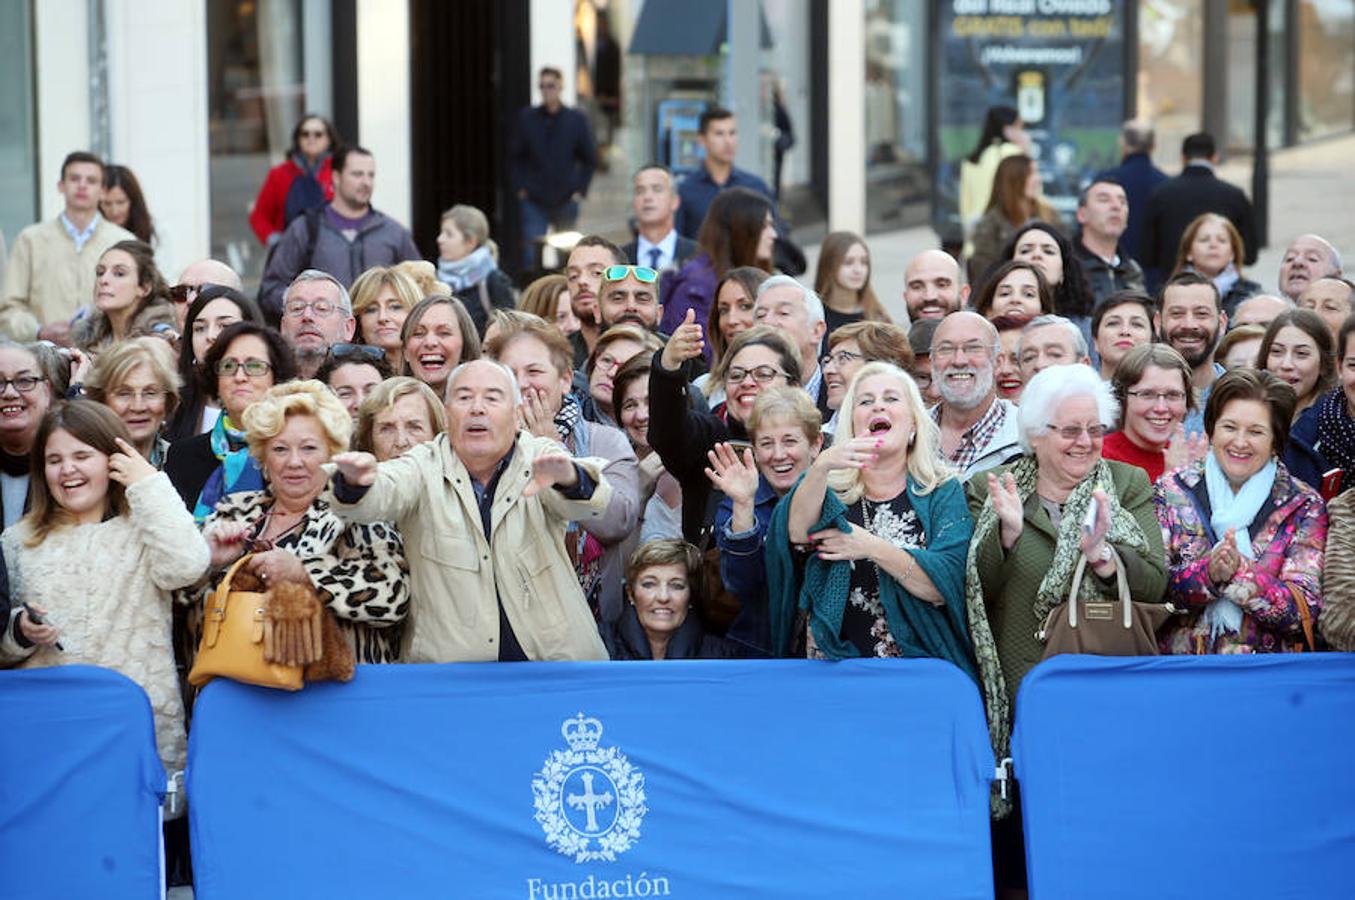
x,y
691,287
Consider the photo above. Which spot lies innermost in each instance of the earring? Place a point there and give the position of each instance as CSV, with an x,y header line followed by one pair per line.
x,y
912,436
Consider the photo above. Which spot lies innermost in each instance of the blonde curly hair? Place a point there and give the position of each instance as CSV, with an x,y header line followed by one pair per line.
x,y
265,418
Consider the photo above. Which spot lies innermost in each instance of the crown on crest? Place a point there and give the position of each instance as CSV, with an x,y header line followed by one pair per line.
x,y
581,733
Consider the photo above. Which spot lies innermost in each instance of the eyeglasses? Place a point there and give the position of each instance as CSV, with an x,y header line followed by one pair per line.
x,y
253,367
1073,432
147,395
841,357
24,384
180,292
364,351
643,274
1156,396
321,308
761,374
948,350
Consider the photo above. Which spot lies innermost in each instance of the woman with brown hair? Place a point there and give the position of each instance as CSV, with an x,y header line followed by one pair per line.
x,y
124,204
842,280
1016,288
1152,385
438,335
739,230
548,297
130,296
1211,246
732,311
383,297
1297,349
1017,198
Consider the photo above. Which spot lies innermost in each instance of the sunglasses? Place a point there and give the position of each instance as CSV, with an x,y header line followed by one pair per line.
x,y
643,274
363,351
180,292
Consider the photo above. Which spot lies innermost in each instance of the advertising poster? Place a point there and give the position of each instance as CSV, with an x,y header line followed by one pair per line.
x,y
1061,63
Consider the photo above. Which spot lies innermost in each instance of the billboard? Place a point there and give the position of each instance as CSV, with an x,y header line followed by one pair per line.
x,y
1061,63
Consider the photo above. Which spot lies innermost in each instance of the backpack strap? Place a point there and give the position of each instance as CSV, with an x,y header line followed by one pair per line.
x,y
312,233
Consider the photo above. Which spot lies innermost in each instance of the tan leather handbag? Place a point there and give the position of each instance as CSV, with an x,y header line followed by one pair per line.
x,y
1122,627
233,640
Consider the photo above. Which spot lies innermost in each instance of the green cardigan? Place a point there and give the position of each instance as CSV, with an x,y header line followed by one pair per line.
x,y
921,629
1011,578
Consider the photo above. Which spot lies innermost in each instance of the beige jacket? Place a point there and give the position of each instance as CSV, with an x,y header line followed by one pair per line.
x,y
46,280
454,570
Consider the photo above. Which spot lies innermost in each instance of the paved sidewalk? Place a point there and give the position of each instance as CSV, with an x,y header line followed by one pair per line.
x,y
1310,190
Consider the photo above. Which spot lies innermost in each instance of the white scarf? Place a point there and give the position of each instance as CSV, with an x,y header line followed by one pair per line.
x,y
1235,512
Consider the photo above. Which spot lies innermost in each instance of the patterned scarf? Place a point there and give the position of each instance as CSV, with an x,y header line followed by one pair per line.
x,y
1336,431
567,422
1054,588
226,436
467,271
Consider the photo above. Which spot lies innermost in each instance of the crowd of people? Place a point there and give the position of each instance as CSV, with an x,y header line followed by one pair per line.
x,y
670,450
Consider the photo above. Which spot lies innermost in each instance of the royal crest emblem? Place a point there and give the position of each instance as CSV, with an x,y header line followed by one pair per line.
x,y
589,799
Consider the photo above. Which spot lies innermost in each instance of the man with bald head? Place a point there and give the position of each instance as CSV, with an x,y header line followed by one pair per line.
x,y
1331,299
978,429
931,286
1260,309
191,280
483,509
1307,259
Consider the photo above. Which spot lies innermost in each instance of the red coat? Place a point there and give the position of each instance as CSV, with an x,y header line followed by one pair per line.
x,y
266,218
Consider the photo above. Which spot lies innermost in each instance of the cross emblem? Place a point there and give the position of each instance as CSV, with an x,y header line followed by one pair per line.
x,y
590,802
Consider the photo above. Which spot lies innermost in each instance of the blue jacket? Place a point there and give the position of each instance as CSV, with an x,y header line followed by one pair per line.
x,y
1137,174
1302,457
742,569
698,189
551,157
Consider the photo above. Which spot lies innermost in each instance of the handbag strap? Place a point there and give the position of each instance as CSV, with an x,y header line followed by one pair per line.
x,y
1305,617
1121,586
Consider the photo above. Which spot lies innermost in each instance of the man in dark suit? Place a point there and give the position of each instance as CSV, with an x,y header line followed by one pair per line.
x,y
1138,176
655,203
1175,203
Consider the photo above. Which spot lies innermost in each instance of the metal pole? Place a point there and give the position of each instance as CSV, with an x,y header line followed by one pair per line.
x,y
1260,177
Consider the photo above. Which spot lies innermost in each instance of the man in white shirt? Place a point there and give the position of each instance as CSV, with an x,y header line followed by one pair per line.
x,y
655,203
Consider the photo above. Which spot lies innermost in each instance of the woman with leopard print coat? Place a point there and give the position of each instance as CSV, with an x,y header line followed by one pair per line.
x,y
359,571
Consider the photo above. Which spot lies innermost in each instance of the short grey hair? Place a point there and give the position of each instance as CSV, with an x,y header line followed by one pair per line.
x,y
512,379
1138,136
1050,388
1079,340
345,302
813,305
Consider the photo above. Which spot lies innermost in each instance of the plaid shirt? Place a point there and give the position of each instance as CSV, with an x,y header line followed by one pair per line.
x,y
977,437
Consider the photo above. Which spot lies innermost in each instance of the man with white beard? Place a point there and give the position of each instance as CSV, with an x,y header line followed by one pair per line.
x,y
978,430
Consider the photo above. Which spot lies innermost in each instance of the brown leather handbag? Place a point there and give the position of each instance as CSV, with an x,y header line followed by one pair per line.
x,y
232,644
1122,627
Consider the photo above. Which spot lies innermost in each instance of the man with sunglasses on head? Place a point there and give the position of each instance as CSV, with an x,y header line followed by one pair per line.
x,y
630,296
195,277
316,315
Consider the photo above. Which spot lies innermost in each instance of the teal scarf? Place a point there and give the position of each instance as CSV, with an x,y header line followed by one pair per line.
x,y
1235,512
921,629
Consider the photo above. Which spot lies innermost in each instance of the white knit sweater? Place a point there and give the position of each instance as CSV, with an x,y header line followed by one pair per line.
x,y
107,588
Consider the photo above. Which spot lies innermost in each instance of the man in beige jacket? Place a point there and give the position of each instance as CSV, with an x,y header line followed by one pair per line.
x,y
50,273
483,510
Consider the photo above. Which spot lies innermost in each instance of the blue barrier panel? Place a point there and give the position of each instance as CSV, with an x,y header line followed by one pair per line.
x,y
80,786
1178,777
596,780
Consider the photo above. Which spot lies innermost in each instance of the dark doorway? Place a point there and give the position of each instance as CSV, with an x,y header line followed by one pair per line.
x,y
469,74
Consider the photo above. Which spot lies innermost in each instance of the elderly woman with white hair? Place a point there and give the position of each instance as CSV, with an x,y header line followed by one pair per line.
x,y
1030,517
359,571
886,529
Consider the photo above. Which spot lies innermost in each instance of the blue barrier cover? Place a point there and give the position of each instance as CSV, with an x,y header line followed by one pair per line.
x,y
595,780
80,786
1226,776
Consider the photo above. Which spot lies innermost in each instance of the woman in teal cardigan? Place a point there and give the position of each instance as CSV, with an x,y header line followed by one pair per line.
x,y
888,530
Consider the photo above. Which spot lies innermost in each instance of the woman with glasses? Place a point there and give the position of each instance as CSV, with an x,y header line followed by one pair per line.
x,y
759,358
302,181
130,297
214,309
135,380
851,347
615,347
468,264
352,372
382,299
1152,386
1245,539
244,362
26,393
739,230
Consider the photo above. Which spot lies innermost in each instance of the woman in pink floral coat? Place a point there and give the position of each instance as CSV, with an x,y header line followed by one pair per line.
x,y
1245,540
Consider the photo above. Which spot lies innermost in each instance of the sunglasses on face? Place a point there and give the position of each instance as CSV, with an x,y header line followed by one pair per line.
x,y
184,293
357,351
643,274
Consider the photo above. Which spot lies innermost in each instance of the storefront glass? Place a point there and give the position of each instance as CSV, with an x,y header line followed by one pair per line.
x,y
18,154
898,188
1326,67
260,82
1171,86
